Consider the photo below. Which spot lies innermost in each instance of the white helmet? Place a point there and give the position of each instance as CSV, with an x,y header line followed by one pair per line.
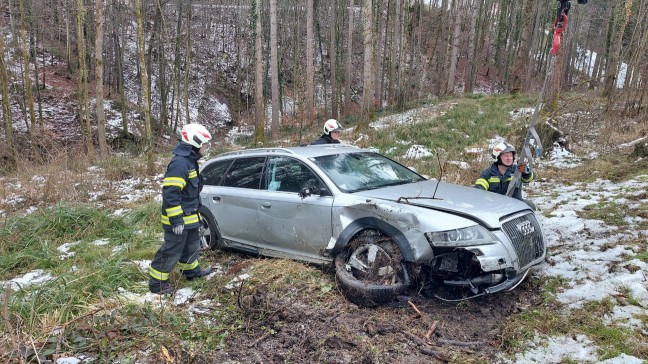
x,y
195,135
502,147
331,125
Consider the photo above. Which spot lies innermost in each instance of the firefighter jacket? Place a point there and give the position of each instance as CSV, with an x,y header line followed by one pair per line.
x,y
326,139
492,180
181,189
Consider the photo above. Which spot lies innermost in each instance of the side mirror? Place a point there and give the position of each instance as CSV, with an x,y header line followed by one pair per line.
x,y
307,191
312,190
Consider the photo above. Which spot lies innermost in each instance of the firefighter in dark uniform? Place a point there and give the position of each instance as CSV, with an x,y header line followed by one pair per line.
x,y
497,177
331,134
180,219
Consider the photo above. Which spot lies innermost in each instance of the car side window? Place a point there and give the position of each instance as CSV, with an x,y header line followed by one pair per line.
x,y
213,173
288,175
245,173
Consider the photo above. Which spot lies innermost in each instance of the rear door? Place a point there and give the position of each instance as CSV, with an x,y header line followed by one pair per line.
x,y
290,226
235,201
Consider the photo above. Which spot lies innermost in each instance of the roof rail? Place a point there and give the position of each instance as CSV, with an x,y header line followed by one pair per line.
x,y
256,150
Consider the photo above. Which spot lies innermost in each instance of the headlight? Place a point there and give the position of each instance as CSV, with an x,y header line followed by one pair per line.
x,y
469,236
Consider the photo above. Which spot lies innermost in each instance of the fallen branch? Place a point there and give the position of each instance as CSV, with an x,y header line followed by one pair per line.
x,y
423,346
461,343
257,341
415,308
429,333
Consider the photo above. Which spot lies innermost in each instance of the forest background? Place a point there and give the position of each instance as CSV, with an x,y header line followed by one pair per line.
x,y
279,65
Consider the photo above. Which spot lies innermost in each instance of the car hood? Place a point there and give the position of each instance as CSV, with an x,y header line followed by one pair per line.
x,y
478,205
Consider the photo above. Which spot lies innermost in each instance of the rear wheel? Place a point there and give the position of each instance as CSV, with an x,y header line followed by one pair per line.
x,y
370,271
209,234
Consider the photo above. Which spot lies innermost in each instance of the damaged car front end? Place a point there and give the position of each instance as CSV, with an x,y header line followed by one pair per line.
x,y
387,229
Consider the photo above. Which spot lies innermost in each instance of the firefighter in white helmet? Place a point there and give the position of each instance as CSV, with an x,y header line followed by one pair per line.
x,y
180,218
497,177
331,134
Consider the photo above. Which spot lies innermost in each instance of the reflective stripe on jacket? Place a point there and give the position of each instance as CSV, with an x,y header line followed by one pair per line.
x,y
181,189
492,180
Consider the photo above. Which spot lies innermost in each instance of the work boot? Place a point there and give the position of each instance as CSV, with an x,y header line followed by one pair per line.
x,y
202,273
163,288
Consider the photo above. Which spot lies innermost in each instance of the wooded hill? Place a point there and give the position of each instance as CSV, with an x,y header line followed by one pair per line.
x,y
277,63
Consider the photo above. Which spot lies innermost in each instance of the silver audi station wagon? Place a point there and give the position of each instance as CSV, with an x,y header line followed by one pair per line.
x,y
385,228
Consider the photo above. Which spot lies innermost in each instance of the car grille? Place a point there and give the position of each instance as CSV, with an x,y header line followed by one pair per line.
x,y
526,235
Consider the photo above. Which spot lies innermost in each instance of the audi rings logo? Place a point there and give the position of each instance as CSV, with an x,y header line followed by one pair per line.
x,y
525,228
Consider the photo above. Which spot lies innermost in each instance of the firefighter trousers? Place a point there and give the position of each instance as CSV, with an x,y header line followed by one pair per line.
x,y
181,250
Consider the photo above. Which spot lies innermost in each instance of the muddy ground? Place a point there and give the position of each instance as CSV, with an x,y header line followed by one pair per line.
x,y
295,325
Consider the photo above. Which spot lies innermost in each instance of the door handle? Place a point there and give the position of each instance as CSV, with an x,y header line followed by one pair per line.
x,y
266,204
216,199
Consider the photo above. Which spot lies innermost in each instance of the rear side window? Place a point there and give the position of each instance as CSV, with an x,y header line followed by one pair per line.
x,y
245,173
213,173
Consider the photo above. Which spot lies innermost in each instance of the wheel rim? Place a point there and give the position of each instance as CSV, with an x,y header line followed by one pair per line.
x,y
205,235
370,262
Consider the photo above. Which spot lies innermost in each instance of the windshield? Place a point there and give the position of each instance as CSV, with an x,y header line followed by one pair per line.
x,y
355,172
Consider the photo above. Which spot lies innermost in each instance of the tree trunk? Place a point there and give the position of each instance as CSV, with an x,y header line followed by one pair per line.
x,y
145,107
175,95
259,106
378,53
469,73
119,58
310,67
274,65
521,62
25,56
84,118
367,78
348,75
11,163
187,63
99,65
612,71
333,59
452,73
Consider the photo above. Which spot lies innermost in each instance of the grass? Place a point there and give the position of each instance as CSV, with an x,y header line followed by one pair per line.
x,y
550,320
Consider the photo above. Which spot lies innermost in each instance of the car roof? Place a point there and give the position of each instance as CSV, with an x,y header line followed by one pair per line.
x,y
306,151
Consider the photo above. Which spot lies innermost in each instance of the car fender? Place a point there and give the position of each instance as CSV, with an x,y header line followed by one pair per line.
x,y
373,223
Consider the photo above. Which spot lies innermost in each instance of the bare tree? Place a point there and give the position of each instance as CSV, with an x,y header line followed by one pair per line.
x,y
6,107
99,68
367,78
452,72
259,132
622,14
82,83
26,65
349,63
310,66
274,68
333,59
143,77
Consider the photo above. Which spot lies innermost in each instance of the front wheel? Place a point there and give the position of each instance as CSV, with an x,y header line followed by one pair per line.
x,y
370,271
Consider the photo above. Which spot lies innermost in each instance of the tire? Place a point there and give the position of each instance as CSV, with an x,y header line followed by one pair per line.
x,y
210,236
370,271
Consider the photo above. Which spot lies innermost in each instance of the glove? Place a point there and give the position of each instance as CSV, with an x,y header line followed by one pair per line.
x,y
523,168
178,229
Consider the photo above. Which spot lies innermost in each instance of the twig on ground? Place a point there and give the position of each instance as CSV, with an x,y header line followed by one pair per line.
x,y
257,341
415,308
461,343
423,347
429,333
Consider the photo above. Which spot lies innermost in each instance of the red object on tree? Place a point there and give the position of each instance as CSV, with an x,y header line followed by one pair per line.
x,y
559,27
